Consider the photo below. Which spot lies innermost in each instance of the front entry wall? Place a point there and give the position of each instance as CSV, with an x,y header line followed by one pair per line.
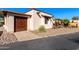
x,y
20,24
9,23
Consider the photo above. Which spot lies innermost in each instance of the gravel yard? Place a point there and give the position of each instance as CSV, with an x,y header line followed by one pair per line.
x,y
6,38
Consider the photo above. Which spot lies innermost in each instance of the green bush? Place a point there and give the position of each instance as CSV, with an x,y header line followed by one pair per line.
x,y
66,22
42,29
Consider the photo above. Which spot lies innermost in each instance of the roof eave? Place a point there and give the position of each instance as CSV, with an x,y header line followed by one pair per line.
x,y
6,11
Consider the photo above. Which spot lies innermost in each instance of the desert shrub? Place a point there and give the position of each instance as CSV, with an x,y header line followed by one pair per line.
x,y
42,29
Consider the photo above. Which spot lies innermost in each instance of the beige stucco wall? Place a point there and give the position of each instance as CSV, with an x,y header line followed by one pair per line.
x,y
9,23
30,24
49,24
35,21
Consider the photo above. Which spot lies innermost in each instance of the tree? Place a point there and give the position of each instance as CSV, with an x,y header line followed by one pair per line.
x,y
58,22
58,19
66,22
75,18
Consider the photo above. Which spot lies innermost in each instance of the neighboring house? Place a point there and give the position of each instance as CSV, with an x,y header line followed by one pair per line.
x,y
74,23
29,21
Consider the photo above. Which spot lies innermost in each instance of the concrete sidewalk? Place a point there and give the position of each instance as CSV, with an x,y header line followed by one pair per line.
x,y
25,36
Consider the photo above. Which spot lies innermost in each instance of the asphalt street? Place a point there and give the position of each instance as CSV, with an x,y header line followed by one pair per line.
x,y
61,42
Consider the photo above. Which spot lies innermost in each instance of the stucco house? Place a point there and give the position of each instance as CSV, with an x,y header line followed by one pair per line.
x,y
75,22
29,21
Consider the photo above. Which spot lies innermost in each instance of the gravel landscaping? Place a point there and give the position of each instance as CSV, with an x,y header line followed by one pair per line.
x,y
6,38
58,31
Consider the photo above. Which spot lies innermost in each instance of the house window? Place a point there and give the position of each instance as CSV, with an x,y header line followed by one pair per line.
x,y
46,20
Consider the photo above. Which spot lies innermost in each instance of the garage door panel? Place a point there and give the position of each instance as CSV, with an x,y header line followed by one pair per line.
x,y
20,24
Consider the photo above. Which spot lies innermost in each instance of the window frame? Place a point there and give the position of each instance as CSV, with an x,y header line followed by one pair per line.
x,y
46,19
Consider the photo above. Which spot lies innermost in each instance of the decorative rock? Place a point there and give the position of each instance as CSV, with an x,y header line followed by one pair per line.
x,y
7,38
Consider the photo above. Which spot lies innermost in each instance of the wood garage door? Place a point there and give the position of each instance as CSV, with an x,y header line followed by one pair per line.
x,y
20,24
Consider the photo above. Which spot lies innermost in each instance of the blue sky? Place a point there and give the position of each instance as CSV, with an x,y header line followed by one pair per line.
x,y
57,12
